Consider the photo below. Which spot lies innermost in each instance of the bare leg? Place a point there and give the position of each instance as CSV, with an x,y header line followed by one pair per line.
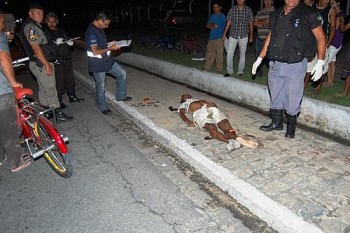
x,y
225,126
319,85
331,73
306,80
215,133
347,86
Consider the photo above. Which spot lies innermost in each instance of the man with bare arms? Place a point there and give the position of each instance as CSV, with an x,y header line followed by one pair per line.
x,y
206,115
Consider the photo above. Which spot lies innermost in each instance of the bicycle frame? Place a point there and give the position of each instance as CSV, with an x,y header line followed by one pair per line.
x,y
28,111
39,135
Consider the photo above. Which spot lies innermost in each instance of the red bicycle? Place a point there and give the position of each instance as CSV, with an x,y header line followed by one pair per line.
x,y
39,135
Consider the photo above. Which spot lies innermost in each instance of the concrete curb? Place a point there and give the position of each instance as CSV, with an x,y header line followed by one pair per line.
x,y
320,115
275,215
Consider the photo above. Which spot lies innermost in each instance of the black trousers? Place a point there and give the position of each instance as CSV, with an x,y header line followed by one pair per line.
x,y
65,80
9,131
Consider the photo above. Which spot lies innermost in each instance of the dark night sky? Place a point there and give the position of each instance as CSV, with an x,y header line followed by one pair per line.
x,y
19,7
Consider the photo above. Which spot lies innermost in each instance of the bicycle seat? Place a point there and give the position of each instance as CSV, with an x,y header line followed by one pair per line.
x,y
20,92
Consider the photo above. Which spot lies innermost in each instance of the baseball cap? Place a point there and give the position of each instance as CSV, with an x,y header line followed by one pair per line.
x,y
35,5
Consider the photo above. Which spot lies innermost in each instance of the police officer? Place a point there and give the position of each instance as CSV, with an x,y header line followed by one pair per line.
x,y
295,32
42,55
65,80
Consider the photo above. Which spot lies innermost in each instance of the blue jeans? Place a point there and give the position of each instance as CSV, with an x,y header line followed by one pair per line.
x,y
232,44
121,89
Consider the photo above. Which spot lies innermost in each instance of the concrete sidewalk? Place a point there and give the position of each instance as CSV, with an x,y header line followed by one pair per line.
x,y
300,185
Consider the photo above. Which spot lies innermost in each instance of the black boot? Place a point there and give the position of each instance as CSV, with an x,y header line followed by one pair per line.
x,y
276,124
62,105
61,116
291,126
74,98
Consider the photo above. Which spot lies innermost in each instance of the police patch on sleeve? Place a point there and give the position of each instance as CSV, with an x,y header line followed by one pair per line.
x,y
32,34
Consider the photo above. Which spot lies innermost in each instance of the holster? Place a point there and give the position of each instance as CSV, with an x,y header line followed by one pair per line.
x,y
38,63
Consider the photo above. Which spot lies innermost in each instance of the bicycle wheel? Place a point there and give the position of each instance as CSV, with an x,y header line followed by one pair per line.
x,y
198,52
60,163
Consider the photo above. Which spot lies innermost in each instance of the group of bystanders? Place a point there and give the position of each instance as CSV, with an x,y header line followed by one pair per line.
x,y
298,41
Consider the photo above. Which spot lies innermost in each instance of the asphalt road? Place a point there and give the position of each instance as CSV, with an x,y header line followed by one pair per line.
x,y
122,182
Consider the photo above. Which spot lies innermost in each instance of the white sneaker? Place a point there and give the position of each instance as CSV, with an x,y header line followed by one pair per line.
x,y
232,145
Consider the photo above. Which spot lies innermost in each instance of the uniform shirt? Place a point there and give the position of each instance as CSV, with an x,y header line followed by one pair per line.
x,y
62,50
240,20
264,14
220,20
34,33
5,86
100,63
294,41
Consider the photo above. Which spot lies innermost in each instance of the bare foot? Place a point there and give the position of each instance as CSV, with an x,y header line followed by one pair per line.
x,y
247,143
24,162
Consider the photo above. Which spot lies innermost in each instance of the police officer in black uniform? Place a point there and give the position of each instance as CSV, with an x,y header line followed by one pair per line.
x,y
42,57
65,80
295,33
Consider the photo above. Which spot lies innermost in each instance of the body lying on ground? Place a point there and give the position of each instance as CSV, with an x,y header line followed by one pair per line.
x,y
207,116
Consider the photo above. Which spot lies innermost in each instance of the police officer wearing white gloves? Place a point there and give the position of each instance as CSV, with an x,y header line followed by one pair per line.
x,y
295,34
65,80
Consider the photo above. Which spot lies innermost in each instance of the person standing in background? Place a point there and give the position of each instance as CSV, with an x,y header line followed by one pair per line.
x,y
239,21
215,47
336,43
328,15
346,66
261,22
65,80
309,2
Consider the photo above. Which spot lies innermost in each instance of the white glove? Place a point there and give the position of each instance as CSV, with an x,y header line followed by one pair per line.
x,y
59,41
70,42
317,70
256,65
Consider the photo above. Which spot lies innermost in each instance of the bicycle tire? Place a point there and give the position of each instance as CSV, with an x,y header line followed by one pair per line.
x,y
60,163
198,52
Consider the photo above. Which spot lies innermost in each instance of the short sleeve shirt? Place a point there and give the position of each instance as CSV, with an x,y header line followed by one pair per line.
x,y
34,34
220,20
240,20
264,14
5,86
97,37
